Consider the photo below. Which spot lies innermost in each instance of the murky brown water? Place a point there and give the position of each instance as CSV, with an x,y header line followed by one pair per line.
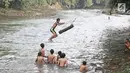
x,y
20,39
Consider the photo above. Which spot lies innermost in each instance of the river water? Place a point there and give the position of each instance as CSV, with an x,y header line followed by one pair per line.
x,y
20,39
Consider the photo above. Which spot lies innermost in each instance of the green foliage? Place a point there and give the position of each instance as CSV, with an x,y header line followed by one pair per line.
x,y
71,2
74,2
127,70
68,2
6,2
29,3
50,2
89,3
41,2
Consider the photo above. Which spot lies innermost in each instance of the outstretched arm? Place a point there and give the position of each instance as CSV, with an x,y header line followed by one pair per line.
x,y
61,23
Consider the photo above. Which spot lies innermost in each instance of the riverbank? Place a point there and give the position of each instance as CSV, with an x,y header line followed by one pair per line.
x,y
117,59
29,13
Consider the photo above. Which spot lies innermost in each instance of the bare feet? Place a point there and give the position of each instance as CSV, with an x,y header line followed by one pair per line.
x,y
50,40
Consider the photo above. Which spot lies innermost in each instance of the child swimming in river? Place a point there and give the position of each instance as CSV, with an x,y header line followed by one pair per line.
x,y
51,57
83,67
42,49
58,57
40,59
62,62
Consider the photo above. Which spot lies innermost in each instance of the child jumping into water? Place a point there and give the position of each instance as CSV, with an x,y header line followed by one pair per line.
x,y
83,67
53,29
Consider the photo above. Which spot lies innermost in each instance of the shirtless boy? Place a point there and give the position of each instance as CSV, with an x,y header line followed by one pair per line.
x,y
83,67
40,59
42,49
51,57
62,62
58,57
127,44
53,29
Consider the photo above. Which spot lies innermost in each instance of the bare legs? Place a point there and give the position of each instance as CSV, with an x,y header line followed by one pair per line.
x,y
53,36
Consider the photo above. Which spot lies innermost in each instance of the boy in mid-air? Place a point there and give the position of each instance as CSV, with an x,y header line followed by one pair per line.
x,y
83,67
51,57
62,62
53,29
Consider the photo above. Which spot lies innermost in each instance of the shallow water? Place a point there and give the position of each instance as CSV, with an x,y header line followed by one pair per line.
x,y
20,39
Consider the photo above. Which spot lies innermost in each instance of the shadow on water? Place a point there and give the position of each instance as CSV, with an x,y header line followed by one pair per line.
x,y
116,59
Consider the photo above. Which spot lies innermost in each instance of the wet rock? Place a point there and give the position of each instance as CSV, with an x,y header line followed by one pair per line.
x,y
113,68
99,69
93,64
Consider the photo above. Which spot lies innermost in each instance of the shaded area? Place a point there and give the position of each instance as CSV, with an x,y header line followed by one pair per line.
x,y
114,3
116,60
80,4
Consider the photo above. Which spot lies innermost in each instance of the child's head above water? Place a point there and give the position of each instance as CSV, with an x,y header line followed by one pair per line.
x,y
39,54
59,53
63,55
42,45
51,51
127,39
84,62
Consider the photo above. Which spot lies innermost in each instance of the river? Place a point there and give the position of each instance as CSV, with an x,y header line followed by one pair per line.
x,y
20,41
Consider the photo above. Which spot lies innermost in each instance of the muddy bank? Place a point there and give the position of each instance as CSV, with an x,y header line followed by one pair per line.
x,y
31,13
116,60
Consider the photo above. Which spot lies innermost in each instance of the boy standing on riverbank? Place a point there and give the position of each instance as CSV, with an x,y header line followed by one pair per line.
x,y
53,29
83,67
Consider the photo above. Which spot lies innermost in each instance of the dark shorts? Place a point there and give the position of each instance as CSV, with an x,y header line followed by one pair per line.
x,y
52,30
